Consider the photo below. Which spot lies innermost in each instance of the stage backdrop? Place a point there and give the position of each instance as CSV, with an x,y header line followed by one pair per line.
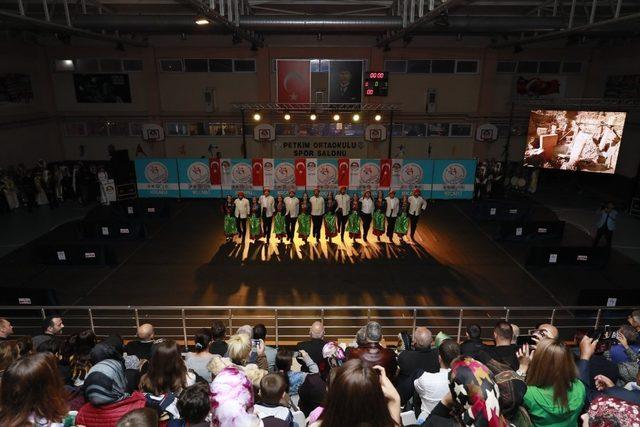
x,y
437,179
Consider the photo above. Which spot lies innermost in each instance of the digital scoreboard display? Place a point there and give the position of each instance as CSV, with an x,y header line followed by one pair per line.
x,y
376,83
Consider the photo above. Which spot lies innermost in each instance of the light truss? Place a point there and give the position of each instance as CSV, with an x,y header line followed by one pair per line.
x,y
611,104
315,107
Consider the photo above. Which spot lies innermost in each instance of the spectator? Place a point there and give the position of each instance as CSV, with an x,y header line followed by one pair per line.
x,y
239,351
9,353
473,344
333,356
273,388
610,412
314,345
167,372
284,362
113,348
361,395
194,404
78,359
232,399
54,346
218,334
199,359
260,333
634,319
143,417
628,370
504,351
246,330
141,347
555,395
32,393
432,387
51,327
630,336
516,333
6,329
107,397
410,361
372,353
546,330
26,346
312,393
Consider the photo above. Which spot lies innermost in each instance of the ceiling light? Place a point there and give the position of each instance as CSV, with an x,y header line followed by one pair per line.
x,y
377,117
202,21
356,117
287,116
257,117
336,117
313,117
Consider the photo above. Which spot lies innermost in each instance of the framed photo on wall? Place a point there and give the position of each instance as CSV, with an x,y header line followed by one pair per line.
x,y
345,81
102,88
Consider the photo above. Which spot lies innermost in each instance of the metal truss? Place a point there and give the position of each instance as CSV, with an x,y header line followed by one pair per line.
x,y
315,107
611,104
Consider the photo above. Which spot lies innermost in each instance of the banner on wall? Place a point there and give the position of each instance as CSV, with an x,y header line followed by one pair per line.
x,y
294,80
268,180
348,148
157,178
284,176
385,174
237,175
416,174
396,168
327,175
369,175
194,176
258,175
301,175
312,173
453,179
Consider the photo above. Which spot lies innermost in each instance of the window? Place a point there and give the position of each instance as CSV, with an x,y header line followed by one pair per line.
x,y
418,66
75,129
87,65
195,65
64,65
118,128
285,129
110,65
171,65
466,67
97,129
244,65
177,129
571,67
132,64
443,66
506,67
414,129
395,66
135,129
549,67
438,129
460,130
527,67
397,129
198,129
220,65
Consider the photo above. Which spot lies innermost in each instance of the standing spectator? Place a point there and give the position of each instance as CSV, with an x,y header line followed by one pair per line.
x,y
410,361
504,351
315,344
260,333
218,334
51,327
284,364
142,346
372,353
473,344
32,393
199,359
606,224
6,329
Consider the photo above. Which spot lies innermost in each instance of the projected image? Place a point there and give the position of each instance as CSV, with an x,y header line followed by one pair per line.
x,y
574,140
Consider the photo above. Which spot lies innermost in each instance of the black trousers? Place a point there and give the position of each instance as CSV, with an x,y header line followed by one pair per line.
x,y
290,225
366,224
266,226
241,223
342,223
391,224
413,219
317,225
603,231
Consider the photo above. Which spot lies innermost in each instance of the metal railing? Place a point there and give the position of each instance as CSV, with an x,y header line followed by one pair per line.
x,y
288,324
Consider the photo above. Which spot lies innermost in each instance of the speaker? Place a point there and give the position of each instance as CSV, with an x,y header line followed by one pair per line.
x,y
582,256
74,253
531,230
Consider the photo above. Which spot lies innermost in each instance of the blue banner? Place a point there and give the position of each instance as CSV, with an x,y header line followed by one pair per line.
x,y
416,174
157,178
453,179
237,175
284,176
195,179
327,176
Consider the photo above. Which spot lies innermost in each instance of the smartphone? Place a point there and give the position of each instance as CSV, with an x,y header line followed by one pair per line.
x,y
525,339
255,343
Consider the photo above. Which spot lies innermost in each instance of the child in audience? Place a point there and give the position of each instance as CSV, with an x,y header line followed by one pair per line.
x,y
194,404
273,388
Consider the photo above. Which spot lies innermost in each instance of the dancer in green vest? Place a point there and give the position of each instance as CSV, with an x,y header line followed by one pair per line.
x,y
230,226
255,231
330,223
378,216
304,219
353,222
279,226
402,223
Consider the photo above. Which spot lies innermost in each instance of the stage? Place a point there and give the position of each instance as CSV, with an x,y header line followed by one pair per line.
x,y
184,260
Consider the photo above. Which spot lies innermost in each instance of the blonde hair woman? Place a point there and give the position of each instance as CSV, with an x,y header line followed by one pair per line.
x,y
239,349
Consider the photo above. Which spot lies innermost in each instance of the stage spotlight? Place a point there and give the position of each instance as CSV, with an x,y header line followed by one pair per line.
x,y
313,117
377,117
356,117
201,20
287,116
257,117
336,117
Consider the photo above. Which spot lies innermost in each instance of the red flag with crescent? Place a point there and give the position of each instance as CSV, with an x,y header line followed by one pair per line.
x,y
214,171
343,172
258,176
294,81
301,172
385,173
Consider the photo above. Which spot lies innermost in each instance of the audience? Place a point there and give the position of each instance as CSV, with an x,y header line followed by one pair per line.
x,y
51,327
141,348
218,334
260,333
504,351
516,333
372,353
473,344
314,346
194,405
273,390
78,356
239,349
420,357
143,417
611,412
634,319
6,329
312,394
9,353
199,359
295,378
617,352
232,400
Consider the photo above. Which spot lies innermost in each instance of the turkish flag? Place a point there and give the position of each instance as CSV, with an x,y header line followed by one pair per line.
x,y
294,81
343,173
214,171
258,176
385,173
301,172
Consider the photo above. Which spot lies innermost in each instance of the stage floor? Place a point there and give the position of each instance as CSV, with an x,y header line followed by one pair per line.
x,y
185,261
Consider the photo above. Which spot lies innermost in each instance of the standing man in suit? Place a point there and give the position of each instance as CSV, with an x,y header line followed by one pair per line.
x,y
342,211
241,212
417,205
317,213
292,208
393,208
267,208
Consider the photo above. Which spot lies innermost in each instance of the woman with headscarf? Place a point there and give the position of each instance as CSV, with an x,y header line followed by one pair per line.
x,y
611,412
232,400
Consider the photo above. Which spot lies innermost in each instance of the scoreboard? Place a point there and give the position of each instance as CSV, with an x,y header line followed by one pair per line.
x,y
376,83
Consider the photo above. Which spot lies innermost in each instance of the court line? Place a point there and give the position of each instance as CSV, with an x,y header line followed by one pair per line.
x,y
523,268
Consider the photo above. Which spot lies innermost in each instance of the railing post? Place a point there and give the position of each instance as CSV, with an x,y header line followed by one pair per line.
x,y
322,316
43,314
506,315
93,328
553,316
368,315
135,311
230,316
415,314
184,330
598,319
277,327
460,316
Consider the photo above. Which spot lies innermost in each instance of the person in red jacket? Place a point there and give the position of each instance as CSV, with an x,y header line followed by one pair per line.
x,y
105,391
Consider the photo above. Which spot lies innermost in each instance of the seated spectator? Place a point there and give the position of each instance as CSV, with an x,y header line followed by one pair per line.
x,y
617,352
273,389
545,330
141,348
421,357
113,348
432,387
194,404
555,395
473,344
143,417
6,329
504,351
611,412
199,359
246,330
312,393
9,353
333,356
218,334
239,350
32,393
232,400
372,353
78,355
634,319
628,370
260,333
54,346
361,395
106,395
51,327
314,345
284,363
26,346
597,364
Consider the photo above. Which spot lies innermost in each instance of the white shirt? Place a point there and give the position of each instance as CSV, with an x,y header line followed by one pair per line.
x,y
431,388
292,206
317,205
393,206
343,202
243,208
268,203
416,205
367,205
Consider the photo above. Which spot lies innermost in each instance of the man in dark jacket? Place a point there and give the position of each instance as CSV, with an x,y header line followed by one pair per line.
x,y
421,357
314,346
372,353
504,351
473,343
